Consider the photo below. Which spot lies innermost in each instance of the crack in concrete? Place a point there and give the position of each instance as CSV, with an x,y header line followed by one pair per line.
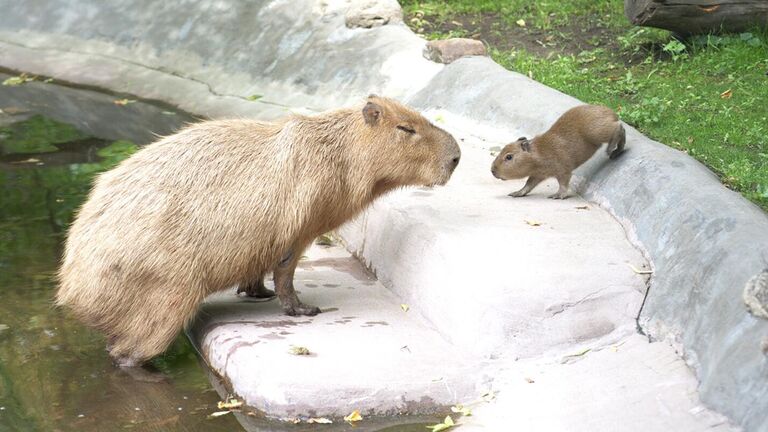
x,y
569,305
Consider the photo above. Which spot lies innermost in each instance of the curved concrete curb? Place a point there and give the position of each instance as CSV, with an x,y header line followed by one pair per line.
x,y
704,242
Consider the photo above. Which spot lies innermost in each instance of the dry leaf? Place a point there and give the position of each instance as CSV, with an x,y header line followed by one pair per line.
x,y
461,409
640,272
231,404
491,395
726,94
18,80
353,417
218,414
529,380
582,208
404,307
324,240
299,351
123,102
446,424
319,420
30,160
532,222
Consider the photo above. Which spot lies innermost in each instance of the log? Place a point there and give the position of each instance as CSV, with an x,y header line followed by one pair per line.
x,y
689,17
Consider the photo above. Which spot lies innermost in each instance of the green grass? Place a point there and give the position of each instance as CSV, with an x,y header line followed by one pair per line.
x,y
707,96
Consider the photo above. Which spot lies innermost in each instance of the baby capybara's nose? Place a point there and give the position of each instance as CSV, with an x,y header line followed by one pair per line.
x,y
456,161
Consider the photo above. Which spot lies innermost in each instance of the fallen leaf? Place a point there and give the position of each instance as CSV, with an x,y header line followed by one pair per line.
x,y
48,80
456,23
405,348
18,80
404,307
324,240
231,404
529,380
446,424
218,414
319,420
299,351
14,110
640,272
709,9
489,396
582,208
123,102
532,222
520,22
461,409
439,118
254,97
353,417
4,327
726,94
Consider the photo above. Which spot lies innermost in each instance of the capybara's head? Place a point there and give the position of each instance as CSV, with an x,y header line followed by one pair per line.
x,y
514,161
409,150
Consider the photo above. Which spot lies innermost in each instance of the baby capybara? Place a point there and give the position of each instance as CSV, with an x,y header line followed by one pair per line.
x,y
570,142
223,202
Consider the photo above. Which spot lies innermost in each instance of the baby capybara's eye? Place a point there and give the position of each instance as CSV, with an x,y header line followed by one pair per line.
x,y
508,157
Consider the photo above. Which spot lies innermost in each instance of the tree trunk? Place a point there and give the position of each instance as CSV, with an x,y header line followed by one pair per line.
x,y
687,17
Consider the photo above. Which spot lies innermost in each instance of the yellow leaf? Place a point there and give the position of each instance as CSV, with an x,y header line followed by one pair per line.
x,y
439,118
404,307
123,102
726,94
446,424
491,395
461,409
18,80
533,222
353,417
231,404
218,414
299,350
320,420
520,22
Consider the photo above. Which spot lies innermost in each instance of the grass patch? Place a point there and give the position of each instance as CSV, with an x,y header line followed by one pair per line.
x,y
707,96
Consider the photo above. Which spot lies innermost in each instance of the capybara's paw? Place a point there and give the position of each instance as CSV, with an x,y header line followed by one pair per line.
x,y
559,196
301,309
126,362
518,194
255,291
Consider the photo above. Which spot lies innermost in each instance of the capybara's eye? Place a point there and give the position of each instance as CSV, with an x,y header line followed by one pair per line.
x,y
508,157
406,129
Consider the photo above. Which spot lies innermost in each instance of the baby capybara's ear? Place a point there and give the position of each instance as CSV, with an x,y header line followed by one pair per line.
x,y
525,144
372,113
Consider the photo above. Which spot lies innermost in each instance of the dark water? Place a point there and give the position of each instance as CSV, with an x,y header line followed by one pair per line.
x,y
54,373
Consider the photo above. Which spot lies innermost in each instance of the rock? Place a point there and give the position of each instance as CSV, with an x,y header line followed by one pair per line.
x,y
373,13
448,50
756,295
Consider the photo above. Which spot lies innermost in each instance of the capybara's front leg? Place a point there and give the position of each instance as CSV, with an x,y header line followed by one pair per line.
x,y
255,288
284,288
529,185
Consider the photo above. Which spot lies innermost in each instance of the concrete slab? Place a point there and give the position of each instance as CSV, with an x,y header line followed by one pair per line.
x,y
367,352
473,261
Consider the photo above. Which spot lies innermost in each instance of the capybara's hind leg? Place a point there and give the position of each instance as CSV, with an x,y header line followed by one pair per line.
x,y
563,181
152,325
256,288
285,291
616,144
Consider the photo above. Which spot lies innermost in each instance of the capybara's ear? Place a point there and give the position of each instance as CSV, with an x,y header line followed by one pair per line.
x,y
372,113
522,139
525,144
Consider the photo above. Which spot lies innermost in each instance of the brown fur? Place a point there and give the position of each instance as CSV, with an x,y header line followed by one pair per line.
x,y
570,142
222,202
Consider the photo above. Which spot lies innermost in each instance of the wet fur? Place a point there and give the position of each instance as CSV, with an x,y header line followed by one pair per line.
x,y
570,142
222,202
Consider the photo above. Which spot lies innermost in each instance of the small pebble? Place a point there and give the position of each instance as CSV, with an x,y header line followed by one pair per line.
x,y
137,409
80,415
179,408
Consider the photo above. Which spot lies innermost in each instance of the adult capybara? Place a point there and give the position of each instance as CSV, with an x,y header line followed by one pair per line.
x,y
222,202
570,142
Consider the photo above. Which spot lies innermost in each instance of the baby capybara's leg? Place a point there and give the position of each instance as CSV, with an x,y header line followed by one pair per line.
x,y
284,287
255,288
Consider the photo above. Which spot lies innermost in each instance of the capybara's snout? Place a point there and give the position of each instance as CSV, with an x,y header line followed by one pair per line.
x,y
452,156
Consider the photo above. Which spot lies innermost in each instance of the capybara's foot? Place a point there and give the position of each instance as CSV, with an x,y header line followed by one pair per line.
x,y
559,195
127,362
520,193
255,290
301,309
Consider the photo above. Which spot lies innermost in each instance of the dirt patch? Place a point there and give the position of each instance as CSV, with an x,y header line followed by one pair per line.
x,y
579,35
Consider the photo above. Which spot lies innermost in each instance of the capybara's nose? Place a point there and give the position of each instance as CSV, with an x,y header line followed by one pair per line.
x,y
493,171
456,161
